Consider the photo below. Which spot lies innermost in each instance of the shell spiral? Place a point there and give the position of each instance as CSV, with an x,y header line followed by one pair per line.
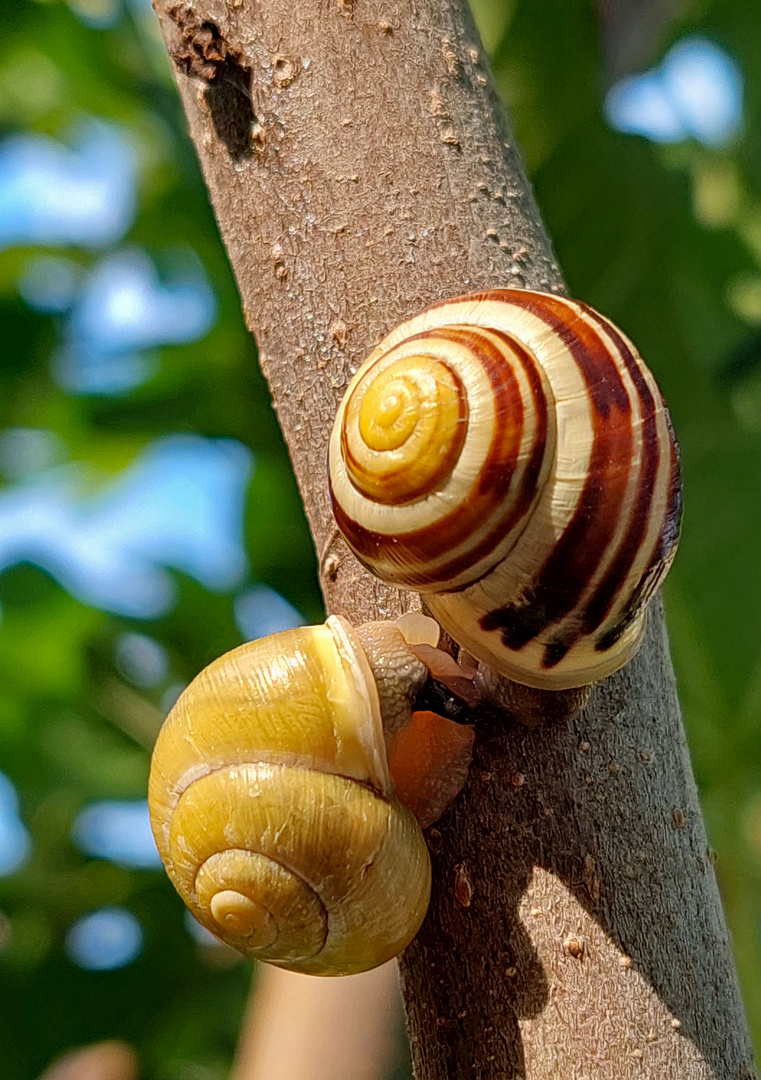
x,y
510,455
272,810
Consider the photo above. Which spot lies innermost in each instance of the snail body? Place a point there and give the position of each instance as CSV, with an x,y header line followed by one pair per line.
x,y
509,455
273,806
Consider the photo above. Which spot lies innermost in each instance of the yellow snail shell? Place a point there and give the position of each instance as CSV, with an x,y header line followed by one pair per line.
x,y
272,806
509,455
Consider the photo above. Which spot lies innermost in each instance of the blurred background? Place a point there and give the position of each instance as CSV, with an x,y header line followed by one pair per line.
x,y
138,450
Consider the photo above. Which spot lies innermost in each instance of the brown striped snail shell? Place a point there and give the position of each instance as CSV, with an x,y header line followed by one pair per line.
x,y
273,803
509,455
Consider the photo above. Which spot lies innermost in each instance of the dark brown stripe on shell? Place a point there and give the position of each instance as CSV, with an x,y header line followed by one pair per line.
x,y
554,652
419,548
672,521
609,588
567,572
663,554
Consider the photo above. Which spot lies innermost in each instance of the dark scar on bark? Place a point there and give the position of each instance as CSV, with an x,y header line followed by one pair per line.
x,y
200,49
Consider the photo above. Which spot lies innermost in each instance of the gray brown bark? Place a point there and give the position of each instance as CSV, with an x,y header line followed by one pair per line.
x,y
360,167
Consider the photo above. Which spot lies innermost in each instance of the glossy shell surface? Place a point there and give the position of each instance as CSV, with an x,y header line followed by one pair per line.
x,y
272,809
509,454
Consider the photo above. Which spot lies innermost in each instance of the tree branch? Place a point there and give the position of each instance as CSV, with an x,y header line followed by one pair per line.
x,y
360,168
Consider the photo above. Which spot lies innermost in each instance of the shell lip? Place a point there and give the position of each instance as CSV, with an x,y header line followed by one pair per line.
x,y
369,721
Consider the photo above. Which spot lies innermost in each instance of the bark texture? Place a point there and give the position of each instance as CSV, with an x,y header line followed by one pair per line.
x,y
360,167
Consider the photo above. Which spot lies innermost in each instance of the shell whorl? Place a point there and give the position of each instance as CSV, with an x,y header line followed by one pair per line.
x,y
479,488
272,810
552,513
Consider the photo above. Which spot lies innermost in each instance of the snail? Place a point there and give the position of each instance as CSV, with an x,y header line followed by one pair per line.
x,y
278,788
509,455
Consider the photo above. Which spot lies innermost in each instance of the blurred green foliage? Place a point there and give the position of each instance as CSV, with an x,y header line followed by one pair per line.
x,y
665,239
